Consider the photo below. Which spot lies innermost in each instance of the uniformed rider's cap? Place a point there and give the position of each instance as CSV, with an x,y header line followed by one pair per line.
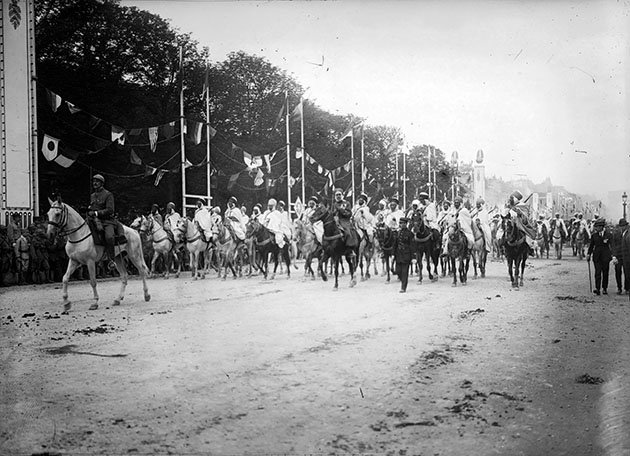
x,y
458,199
232,200
423,195
98,177
415,203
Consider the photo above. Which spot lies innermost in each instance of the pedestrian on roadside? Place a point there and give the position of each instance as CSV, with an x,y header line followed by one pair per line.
x,y
621,276
600,249
403,252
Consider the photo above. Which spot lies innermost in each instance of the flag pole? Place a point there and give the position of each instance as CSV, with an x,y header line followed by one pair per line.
x,y
286,99
182,126
429,184
208,166
303,151
404,178
352,159
363,157
397,178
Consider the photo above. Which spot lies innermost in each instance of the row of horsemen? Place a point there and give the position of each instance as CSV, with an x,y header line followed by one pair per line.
x,y
358,222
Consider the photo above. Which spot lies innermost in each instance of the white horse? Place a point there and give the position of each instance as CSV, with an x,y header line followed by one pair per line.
x,y
186,230
63,220
163,245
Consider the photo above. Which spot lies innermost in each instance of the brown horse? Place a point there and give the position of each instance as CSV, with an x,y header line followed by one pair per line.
x,y
427,243
458,254
516,251
334,246
265,243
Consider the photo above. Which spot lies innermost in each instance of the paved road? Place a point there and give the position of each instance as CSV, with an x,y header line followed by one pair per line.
x,y
253,366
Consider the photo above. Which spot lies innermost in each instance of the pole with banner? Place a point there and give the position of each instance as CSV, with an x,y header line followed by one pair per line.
x,y
286,110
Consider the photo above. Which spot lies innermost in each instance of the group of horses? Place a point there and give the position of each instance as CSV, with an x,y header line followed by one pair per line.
x,y
224,251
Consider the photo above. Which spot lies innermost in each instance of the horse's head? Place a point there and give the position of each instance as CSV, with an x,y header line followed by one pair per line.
x,y
321,211
146,225
57,216
180,229
135,224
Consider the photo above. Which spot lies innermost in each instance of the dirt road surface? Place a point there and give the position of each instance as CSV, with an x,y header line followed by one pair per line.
x,y
285,366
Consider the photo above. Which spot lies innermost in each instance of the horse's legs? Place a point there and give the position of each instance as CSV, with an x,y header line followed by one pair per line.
x,y
352,265
474,257
336,262
72,266
91,266
119,261
156,255
453,264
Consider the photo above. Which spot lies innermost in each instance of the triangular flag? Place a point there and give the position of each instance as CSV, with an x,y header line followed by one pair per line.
x,y
159,176
247,158
320,170
232,181
135,131
281,112
349,134
346,167
50,147
268,162
259,178
168,130
53,99
297,112
187,164
118,134
212,131
299,152
149,171
153,136
73,109
194,130
94,121
291,181
133,158
64,161
257,162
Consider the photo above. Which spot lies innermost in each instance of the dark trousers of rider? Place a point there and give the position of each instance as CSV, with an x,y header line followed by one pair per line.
x,y
602,270
109,239
621,276
403,274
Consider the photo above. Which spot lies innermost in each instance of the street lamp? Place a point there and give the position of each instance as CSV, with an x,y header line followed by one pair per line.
x,y
624,199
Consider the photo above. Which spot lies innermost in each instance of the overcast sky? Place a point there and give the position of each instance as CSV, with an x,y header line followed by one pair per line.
x,y
528,82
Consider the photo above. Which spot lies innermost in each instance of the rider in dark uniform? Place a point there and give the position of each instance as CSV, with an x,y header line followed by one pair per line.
x,y
403,252
343,213
101,212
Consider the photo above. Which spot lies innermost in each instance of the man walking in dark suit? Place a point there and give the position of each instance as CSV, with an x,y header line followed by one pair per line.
x,y
600,249
621,276
403,253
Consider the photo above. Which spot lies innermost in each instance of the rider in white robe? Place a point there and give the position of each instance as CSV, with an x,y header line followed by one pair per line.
x,y
273,220
363,218
171,217
484,221
461,214
415,205
394,215
430,211
203,217
236,217
318,226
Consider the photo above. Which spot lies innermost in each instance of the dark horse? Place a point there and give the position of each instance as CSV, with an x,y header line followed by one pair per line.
x,y
516,251
458,254
265,243
427,244
386,239
334,246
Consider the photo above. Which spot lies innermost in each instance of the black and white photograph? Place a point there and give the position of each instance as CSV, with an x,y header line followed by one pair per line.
x,y
314,227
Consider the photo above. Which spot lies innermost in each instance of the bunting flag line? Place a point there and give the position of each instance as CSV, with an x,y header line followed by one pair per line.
x,y
73,109
50,147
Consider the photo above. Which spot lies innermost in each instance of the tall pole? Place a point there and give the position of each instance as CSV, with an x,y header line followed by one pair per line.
x,y
397,178
182,126
286,95
405,178
363,157
208,166
303,151
352,161
429,159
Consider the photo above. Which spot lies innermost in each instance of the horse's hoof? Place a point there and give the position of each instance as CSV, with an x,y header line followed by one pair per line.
x,y
454,285
363,279
335,289
147,297
177,276
66,306
116,302
483,275
195,278
94,306
353,283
